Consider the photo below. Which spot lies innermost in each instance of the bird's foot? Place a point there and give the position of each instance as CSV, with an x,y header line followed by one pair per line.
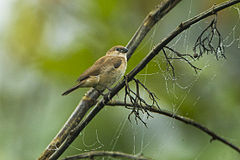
x,y
100,92
107,98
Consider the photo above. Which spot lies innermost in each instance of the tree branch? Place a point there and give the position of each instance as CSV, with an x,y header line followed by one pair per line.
x,y
151,19
183,26
84,105
93,154
91,96
182,119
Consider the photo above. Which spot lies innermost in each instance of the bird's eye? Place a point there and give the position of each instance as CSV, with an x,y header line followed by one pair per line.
x,y
118,49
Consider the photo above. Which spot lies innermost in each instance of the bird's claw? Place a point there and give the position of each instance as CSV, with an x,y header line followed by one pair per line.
x,y
106,97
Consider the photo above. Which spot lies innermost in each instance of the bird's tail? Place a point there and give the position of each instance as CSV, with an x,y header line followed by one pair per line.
x,y
71,89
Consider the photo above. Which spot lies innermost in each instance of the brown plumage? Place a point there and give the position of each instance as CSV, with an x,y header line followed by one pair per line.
x,y
105,71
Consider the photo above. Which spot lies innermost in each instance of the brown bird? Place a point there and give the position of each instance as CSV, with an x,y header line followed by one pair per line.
x,y
105,71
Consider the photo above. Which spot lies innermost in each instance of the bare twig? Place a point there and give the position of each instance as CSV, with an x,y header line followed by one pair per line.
x,y
169,62
180,56
205,41
182,119
113,154
152,95
136,99
89,99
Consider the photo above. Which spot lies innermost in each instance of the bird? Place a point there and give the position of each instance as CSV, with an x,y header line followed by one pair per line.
x,y
106,71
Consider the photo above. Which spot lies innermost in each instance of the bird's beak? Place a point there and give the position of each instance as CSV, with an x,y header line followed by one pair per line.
x,y
124,50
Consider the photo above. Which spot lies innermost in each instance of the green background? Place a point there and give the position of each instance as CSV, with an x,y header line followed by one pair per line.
x,y
46,44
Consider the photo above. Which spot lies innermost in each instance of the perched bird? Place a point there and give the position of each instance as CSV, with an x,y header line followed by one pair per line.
x,y
105,71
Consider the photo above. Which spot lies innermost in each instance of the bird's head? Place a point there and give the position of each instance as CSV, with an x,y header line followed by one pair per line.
x,y
117,51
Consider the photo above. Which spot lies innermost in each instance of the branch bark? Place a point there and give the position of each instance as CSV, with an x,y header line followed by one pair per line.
x,y
91,96
151,19
183,26
93,154
84,105
182,119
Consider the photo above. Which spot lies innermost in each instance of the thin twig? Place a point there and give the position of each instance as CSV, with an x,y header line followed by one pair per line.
x,y
136,99
180,56
205,41
182,119
113,154
168,62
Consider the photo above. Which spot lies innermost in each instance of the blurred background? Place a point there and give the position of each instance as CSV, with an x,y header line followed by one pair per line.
x,y
46,44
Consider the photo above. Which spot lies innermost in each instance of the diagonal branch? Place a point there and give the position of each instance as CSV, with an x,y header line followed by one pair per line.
x,y
183,26
93,154
182,119
151,19
91,96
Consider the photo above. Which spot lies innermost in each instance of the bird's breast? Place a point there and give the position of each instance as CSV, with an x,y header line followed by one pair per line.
x,y
110,75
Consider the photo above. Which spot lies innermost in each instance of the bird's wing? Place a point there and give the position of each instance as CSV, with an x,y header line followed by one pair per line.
x,y
101,63
117,62
94,70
